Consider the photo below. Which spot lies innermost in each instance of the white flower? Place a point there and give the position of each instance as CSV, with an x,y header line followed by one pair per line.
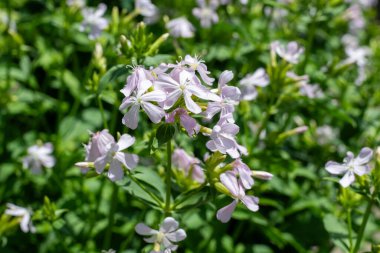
x,y
166,236
94,20
180,27
197,64
249,83
116,158
291,53
38,157
229,180
184,86
143,99
351,166
206,13
223,139
229,98
26,224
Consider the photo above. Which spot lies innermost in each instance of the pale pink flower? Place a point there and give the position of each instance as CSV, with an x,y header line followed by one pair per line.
x,y
188,164
143,100
223,139
244,172
180,27
351,166
38,157
249,83
26,224
139,74
206,13
229,180
166,236
291,53
93,19
190,124
116,158
197,64
229,98
184,86
95,148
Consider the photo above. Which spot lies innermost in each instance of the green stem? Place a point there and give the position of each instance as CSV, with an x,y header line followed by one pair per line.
x,y
363,225
349,224
168,177
111,217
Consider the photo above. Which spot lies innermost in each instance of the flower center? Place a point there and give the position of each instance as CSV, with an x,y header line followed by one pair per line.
x,y
160,237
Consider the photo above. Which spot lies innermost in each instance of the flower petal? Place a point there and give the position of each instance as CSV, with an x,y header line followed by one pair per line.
x,y
190,104
143,229
251,202
347,179
154,112
335,168
176,236
169,225
125,141
115,172
224,214
364,156
229,180
131,118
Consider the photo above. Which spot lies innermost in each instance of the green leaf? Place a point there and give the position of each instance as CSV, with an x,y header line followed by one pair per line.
x,y
72,83
111,75
337,231
165,133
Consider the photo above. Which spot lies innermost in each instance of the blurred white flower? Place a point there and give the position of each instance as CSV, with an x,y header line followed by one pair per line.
x,y
26,224
109,251
148,10
351,166
291,53
325,134
180,27
94,21
76,3
311,90
249,83
166,236
206,13
38,157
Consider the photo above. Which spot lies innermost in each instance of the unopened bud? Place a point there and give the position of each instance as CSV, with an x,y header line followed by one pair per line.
x,y
154,47
85,165
221,188
262,175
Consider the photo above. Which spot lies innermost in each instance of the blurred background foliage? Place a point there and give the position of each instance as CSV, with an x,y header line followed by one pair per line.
x,y
47,72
